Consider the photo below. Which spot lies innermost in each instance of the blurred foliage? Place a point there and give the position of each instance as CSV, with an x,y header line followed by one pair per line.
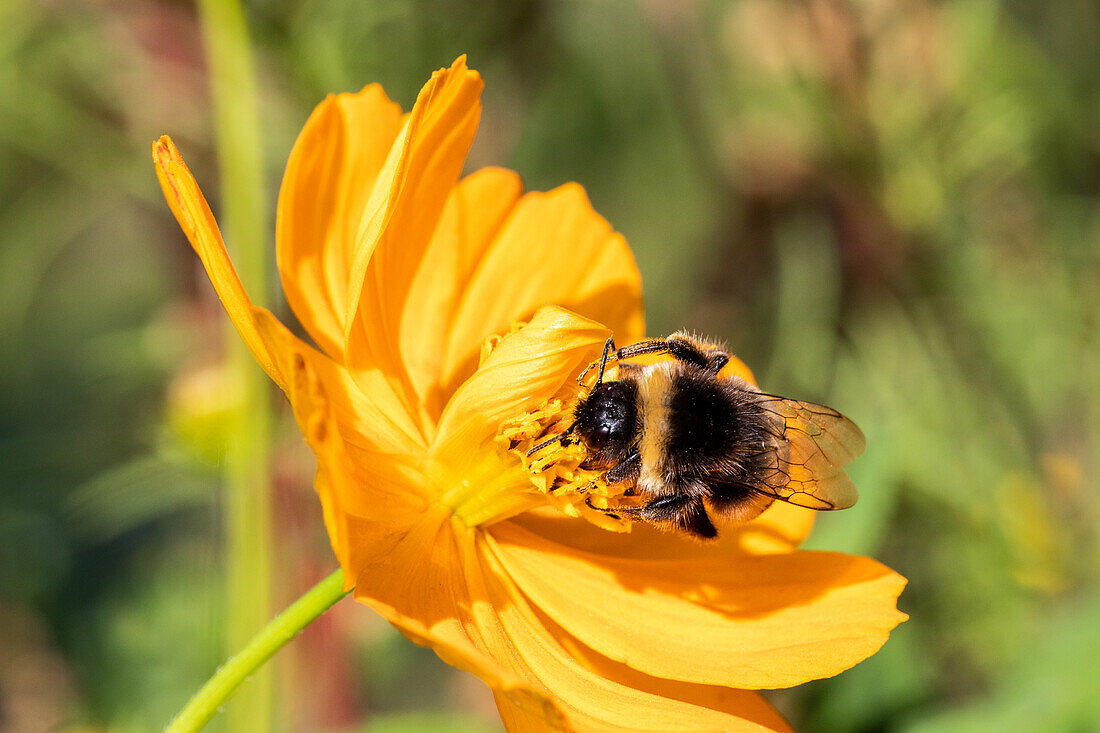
x,y
890,206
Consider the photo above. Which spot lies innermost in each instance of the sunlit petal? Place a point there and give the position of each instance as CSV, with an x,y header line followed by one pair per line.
x,y
524,370
598,700
476,209
769,620
404,208
195,218
554,248
328,181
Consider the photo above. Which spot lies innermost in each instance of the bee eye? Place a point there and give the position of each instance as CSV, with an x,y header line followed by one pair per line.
x,y
599,437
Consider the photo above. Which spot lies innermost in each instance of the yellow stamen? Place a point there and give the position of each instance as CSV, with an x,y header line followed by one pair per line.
x,y
485,483
555,470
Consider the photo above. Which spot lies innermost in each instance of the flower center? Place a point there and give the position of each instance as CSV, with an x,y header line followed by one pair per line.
x,y
480,482
556,471
487,481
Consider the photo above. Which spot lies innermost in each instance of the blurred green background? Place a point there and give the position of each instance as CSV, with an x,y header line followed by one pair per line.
x,y
892,206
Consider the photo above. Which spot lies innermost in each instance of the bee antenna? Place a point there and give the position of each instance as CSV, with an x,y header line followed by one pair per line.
x,y
550,441
608,347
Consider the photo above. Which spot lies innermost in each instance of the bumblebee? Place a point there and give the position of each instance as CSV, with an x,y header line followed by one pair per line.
x,y
693,443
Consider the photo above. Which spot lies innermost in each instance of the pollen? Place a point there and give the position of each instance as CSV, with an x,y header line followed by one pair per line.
x,y
556,470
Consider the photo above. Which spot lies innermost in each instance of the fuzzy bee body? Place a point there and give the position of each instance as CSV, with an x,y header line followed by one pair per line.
x,y
693,443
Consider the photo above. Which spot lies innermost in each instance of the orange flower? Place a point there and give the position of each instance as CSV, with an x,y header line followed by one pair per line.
x,y
452,318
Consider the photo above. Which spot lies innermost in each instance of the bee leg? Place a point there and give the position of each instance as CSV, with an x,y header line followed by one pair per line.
x,y
682,349
626,470
614,514
562,437
686,512
716,360
649,346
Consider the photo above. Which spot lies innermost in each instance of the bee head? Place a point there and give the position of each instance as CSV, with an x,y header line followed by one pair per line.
x,y
606,420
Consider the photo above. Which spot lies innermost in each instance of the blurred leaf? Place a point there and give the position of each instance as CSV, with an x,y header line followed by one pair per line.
x,y
26,219
808,302
35,555
156,637
1052,688
132,495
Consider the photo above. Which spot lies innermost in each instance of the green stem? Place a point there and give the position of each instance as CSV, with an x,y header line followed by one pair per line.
x,y
248,511
281,629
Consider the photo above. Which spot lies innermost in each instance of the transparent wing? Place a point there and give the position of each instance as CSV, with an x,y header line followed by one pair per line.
x,y
806,465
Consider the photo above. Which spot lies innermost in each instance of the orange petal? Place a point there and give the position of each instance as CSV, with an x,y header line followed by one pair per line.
x,y
368,454
726,710
476,209
270,342
781,528
194,216
553,249
494,259
524,370
416,577
737,368
607,697
767,620
750,707
404,208
422,579
385,488
329,178
436,581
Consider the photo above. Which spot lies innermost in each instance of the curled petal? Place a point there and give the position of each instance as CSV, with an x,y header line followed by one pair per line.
x,y
402,212
273,346
328,181
768,620
194,216
523,371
